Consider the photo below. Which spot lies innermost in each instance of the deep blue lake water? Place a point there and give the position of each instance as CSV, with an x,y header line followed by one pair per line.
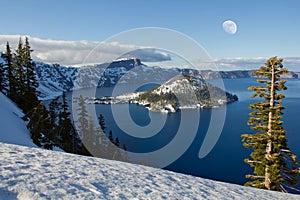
x,y
225,161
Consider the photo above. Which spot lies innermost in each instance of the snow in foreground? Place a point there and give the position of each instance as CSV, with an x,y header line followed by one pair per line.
x,y
32,173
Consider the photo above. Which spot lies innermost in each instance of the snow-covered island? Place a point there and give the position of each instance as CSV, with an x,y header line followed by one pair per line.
x,y
180,92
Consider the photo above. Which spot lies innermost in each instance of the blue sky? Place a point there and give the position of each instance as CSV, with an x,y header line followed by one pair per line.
x,y
265,28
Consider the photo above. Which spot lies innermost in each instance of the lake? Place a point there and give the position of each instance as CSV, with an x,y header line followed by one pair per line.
x,y
225,160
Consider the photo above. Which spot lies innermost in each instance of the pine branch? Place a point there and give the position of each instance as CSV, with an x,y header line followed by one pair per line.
x,y
254,177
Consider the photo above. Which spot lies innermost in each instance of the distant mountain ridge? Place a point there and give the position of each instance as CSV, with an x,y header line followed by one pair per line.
x,y
54,78
208,74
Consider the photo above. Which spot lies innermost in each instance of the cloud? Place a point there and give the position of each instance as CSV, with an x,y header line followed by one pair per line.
x,y
149,55
81,52
226,64
91,52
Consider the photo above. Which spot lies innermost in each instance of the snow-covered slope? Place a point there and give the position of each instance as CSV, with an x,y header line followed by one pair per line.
x,y
12,128
32,173
54,79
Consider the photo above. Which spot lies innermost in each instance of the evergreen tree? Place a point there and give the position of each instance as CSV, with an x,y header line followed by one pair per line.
x,y
3,77
39,126
63,132
18,73
21,77
275,166
82,117
109,147
117,142
110,137
8,58
83,124
102,123
30,81
102,140
54,111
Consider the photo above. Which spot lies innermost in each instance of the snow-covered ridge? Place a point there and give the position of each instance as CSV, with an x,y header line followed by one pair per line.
x,y
54,78
31,173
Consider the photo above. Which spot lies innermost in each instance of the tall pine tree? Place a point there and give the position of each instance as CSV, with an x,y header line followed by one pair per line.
x,y
66,129
275,166
3,77
54,111
30,81
8,59
39,126
18,94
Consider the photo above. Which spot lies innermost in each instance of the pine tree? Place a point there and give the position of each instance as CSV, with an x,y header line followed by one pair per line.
x,y
117,142
82,118
102,140
39,126
3,77
18,86
54,111
110,137
30,81
102,123
275,166
8,58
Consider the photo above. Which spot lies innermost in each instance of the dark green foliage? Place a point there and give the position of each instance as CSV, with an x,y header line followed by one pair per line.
x,y
155,98
3,79
110,137
22,83
54,111
30,82
10,71
18,84
275,166
39,126
65,129
117,142
102,123
63,133
3,76
94,138
48,129
21,89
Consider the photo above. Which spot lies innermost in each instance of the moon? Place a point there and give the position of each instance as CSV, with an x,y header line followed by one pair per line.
x,y
230,27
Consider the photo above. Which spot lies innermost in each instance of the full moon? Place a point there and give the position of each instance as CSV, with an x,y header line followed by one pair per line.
x,y
229,27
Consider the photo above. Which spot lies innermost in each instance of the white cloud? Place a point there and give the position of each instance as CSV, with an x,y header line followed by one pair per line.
x,y
79,52
90,52
292,63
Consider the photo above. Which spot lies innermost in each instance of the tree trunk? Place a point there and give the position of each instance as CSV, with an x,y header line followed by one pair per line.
x,y
269,145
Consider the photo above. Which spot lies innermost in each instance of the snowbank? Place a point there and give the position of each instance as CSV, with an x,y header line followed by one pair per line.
x,y
32,173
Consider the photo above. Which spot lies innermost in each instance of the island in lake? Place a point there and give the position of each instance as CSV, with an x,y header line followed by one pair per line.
x,y
185,91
